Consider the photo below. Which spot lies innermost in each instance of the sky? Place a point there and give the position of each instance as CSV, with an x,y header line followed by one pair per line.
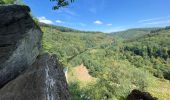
x,y
103,15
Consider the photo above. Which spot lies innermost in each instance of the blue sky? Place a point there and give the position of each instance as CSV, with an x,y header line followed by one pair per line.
x,y
104,15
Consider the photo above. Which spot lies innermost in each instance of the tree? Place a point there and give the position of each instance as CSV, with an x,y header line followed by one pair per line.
x,y
7,1
61,3
11,2
2,2
165,53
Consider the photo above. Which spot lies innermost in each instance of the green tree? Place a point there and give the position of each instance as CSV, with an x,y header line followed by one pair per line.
x,y
9,1
165,53
2,2
61,3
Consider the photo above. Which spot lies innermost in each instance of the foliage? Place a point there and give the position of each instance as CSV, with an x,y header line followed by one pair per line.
x,y
61,3
11,1
155,49
2,2
68,45
118,64
134,33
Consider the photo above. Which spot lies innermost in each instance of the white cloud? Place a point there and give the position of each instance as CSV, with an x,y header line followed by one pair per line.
x,y
109,24
98,22
154,19
147,20
59,21
158,22
44,20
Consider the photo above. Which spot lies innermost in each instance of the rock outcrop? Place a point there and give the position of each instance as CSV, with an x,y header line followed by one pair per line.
x,y
24,74
44,80
20,41
138,95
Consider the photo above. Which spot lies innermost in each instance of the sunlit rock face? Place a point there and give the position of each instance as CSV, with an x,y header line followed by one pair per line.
x,y
24,73
44,80
20,41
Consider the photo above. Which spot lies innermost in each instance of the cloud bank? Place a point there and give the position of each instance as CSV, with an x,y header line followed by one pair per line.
x,y
98,22
44,20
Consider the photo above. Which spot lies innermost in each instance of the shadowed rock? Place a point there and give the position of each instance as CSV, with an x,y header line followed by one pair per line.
x,y
44,80
138,95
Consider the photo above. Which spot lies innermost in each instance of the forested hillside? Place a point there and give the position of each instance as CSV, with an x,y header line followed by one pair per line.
x,y
68,45
134,33
118,65
154,47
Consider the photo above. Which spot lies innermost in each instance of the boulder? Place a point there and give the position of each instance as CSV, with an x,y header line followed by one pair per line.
x,y
44,80
138,95
24,73
20,41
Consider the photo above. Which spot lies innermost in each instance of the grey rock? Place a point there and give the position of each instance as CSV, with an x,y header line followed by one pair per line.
x,y
20,41
44,80
23,74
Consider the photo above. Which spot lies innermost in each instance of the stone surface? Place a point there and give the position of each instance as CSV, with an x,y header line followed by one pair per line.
x,y
138,95
23,74
44,80
20,41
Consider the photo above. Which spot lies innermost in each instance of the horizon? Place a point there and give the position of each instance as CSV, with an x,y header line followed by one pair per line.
x,y
119,16
107,32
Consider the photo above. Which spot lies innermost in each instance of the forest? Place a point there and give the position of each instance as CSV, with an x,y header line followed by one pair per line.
x,y
119,61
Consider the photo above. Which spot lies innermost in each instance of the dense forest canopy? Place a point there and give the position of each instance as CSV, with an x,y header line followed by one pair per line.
x,y
119,62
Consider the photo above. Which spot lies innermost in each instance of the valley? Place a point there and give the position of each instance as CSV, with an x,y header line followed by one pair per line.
x,y
118,62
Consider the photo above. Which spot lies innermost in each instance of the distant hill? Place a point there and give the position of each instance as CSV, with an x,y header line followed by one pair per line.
x,y
64,29
161,37
133,33
60,28
154,45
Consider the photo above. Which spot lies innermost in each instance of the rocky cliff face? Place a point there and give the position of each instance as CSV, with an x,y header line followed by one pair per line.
x,y
44,80
22,76
20,41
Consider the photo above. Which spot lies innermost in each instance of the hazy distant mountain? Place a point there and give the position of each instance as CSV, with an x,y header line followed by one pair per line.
x,y
133,33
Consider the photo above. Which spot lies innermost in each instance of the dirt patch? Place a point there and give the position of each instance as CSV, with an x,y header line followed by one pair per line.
x,y
81,73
